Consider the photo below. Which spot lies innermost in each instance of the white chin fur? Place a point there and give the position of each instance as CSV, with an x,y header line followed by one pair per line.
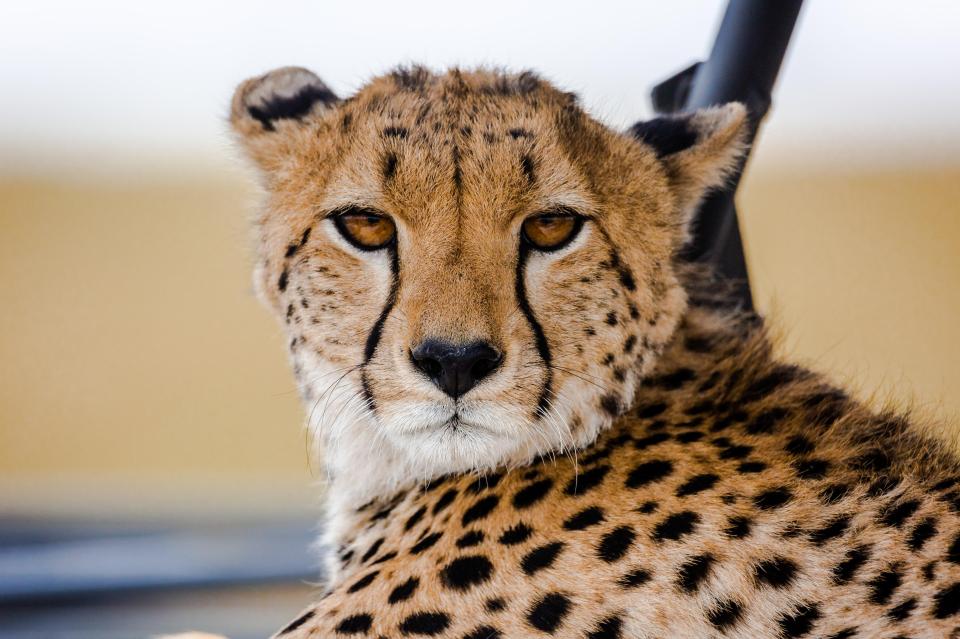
x,y
413,442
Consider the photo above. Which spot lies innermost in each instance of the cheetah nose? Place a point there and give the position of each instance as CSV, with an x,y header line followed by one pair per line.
x,y
455,368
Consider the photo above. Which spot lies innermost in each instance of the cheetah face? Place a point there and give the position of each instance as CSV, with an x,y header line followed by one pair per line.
x,y
471,271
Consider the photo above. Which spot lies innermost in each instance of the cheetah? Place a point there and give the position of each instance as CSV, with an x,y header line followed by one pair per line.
x,y
534,418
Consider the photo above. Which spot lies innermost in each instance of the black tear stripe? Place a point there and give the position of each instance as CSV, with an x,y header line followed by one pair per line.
x,y
291,108
373,339
540,339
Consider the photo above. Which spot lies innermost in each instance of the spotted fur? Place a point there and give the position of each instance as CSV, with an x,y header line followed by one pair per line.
x,y
642,465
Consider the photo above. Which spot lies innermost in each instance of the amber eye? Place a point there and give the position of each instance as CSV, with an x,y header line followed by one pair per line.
x,y
551,231
365,228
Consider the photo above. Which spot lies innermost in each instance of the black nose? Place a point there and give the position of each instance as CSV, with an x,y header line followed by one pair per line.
x,y
455,368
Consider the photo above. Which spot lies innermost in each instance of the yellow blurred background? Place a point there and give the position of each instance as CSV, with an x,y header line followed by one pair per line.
x,y
138,375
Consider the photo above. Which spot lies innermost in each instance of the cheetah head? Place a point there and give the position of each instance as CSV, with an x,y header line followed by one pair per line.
x,y
471,271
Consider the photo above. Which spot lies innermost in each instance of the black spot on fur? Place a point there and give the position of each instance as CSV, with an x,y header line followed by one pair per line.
x,y
673,380
883,585
649,472
768,384
738,527
647,507
584,519
541,557
465,572
694,571
799,445
667,135
291,108
725,614
953,553
846,633
532,493
445,500
549,611
697,484
483,632
425,623
515,535
634,578
834,493
852,562
614,544
921,533
484,482
480,509
676,526
650,440
800,622
415,518
404,591
471,538
811,468
519,133
495,604
773,498
946,603
296,246
834,528
528,167
586,481
609,628
750,467
651,410
764,422
372,550
875,460
363,582
689,436
777,572
738,451
283,280
299,621
425,543
902,611
612,404
395,132
355,624
389,166
896,515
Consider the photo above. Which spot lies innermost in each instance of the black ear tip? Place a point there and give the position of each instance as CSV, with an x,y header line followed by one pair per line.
x,y
667,135
289,93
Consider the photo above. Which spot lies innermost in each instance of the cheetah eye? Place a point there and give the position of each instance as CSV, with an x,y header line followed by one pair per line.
x,y
552,230
366,229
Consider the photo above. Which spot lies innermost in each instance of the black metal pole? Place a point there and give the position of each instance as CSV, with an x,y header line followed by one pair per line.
x,y
742,67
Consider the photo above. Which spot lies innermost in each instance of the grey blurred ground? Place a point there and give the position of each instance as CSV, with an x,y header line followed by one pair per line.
x,y
107,580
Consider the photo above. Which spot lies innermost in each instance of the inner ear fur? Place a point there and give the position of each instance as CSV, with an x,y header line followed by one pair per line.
x,y
698,149
262,107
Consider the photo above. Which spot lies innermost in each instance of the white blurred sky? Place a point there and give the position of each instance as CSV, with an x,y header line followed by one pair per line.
x,y
125,83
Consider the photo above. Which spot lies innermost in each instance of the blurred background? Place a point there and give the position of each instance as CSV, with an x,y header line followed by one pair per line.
x,y
151,455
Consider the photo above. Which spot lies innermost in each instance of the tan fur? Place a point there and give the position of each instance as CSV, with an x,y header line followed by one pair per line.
x,y
657,410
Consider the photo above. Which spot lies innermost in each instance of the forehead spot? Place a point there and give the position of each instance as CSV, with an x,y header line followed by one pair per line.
x,y
395,132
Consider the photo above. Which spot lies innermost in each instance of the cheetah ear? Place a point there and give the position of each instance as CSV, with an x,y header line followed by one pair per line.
x,y
697,149
266,110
